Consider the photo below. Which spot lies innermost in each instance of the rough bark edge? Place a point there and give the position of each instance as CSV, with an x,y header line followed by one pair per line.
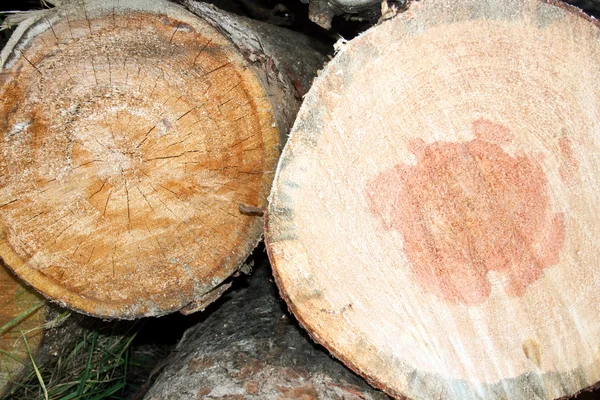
x,y
282,80
321,12
286,157
285,67
260,324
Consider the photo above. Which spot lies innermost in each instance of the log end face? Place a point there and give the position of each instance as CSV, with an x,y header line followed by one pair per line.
x,y
126,160
449,196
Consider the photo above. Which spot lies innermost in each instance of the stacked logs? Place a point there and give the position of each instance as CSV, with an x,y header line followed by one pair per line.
x,y
139,142
431,223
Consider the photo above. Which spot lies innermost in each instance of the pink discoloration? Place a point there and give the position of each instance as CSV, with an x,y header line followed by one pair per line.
x,y
569,165
491,131
468,208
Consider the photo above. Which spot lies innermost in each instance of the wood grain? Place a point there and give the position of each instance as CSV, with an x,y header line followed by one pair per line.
x,y
434,219
131,132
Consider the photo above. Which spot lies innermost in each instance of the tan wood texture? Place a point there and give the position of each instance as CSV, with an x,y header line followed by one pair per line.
x,y
21,310
132,131
434,219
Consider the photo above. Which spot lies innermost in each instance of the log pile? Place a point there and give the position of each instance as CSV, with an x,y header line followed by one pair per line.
x,y
432,221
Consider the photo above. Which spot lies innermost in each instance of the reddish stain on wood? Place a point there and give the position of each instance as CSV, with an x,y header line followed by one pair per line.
x,y
569,165
491,131
468,208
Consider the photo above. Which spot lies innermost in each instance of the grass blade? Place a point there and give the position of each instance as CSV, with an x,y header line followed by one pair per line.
x,y
15,321
88,367
35,368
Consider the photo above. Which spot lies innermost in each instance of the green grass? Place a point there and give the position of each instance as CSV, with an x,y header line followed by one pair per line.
x,y
16,320
94,368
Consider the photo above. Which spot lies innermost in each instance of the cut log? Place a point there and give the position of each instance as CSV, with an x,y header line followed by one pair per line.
x,y
133,132
434,221
250,348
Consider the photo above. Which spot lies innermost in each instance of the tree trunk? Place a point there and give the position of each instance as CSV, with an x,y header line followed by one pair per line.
x,y
136,135
250,348
434,222
25,315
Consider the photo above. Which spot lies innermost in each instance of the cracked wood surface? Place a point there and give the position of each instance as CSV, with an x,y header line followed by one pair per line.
x,y
131,131
434,218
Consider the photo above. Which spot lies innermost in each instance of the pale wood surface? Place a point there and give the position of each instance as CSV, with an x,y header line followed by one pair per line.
x,y
132,131
434,220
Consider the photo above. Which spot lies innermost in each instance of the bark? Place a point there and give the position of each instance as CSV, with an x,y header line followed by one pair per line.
x,y
250,348
433,221
285,61
135,132
322,12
